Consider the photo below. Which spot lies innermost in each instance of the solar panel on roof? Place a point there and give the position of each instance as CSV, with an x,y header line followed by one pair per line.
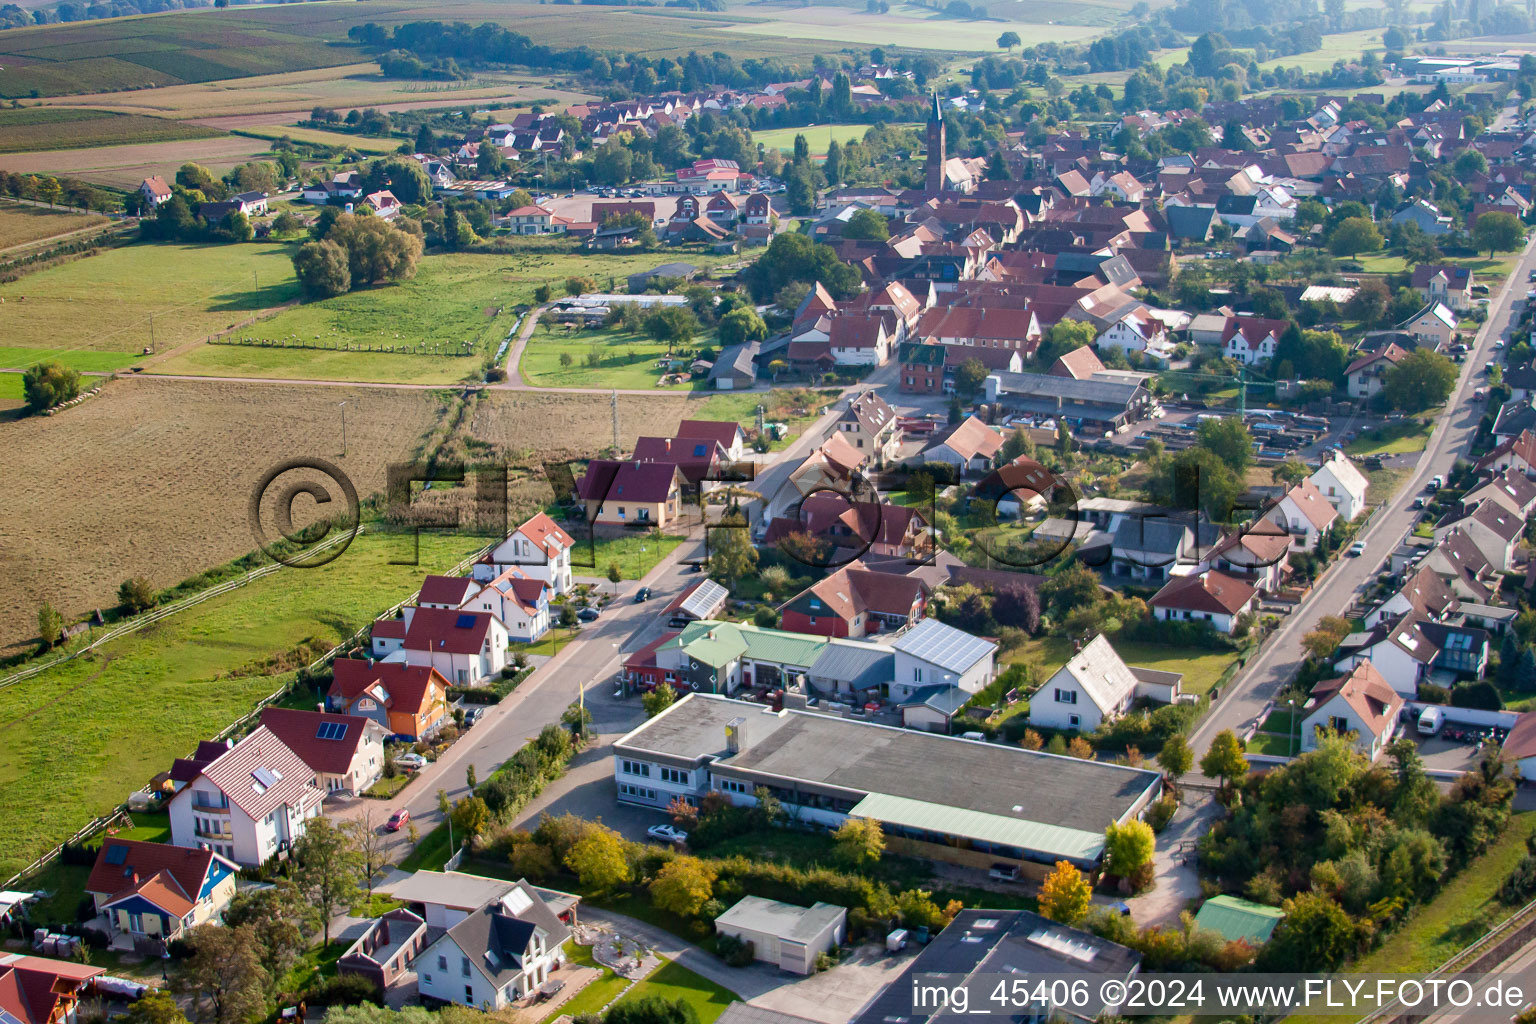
x,y
465,622
331,730
117,854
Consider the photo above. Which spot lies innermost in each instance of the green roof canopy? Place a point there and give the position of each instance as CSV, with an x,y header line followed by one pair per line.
x,y
1034,836
1237,918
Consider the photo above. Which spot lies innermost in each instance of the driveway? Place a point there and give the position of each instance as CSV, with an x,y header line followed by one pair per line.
x,y
832,997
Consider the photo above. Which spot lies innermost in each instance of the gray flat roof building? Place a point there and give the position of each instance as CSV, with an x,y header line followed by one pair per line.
x,y
1000,800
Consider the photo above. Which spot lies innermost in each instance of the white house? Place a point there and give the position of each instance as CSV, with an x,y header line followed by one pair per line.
x,y
1344,486
251,801
346,752
500,954
782,934
970,447
1514,490
539,548
1520,747
467,648
154,191
1093,687
1425,594
1433,327
519,602
1361,703
1365,376
1211,596
1518,453
1492,527
1137,331
1305,513
1250,339
934,654
1398,650
531,220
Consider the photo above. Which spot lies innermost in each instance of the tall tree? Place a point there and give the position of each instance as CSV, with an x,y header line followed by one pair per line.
x,y
327,869
1497,231
1224,760
731,552
1065,894
224,968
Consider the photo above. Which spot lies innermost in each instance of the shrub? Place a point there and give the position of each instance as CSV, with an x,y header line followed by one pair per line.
x,y
136,594
735,952
1161,813
342,990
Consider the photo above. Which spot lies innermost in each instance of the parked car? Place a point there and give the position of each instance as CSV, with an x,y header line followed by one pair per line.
x,y
1498,343
1357,549
588,614
397,820
678,622
411,762
667,834
473,715
1418,503
1437,482
642,595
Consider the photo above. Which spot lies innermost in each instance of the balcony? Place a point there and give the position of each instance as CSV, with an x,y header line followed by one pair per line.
x,y
224,837
205,808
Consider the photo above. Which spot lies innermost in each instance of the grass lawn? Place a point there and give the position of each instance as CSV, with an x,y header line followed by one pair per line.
x,y
84,360
11,389
1462,911
816,136
598,993
637,553
314,963
624,359
454,298
361,143
1270,743
1202,668
431,854
79,736
386,788
105,303
1392,439
1385,482
148,828
376,905
797,409
674,981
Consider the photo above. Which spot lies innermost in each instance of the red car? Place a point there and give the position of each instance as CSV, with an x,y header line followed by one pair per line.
x,y
397,820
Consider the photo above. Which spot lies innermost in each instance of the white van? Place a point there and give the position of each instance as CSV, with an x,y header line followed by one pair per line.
x,y
1430,721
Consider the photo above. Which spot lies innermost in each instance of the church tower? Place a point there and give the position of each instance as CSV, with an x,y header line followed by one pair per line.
x,y
935,165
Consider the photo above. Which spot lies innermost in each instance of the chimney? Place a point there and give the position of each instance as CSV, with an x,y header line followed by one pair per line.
x,y
736,735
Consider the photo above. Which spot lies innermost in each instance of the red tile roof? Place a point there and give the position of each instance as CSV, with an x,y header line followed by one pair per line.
x,y
408,686
449,590
1079,364
181,871
447,631
545,533
1213,591
235,773
31,987
722,432
1371,697
300,731
607,479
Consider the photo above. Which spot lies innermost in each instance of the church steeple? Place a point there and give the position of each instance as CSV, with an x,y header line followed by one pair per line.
x,y
935,162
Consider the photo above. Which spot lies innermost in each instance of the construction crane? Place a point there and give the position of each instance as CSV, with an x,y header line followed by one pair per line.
x,y
1244,380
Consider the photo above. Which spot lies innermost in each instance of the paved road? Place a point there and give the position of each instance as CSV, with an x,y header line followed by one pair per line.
x,y
1280,657
589,662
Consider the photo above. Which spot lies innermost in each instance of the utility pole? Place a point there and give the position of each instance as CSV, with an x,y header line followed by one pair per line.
x,y
613,400
343,429
152,333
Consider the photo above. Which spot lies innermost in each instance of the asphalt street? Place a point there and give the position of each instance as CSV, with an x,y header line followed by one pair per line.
x,y
1266,674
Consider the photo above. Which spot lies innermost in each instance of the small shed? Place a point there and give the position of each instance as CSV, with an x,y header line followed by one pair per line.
x,y
783,933
1235,918
933,707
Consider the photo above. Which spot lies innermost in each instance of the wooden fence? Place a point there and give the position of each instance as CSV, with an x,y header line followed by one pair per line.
x,y
98,825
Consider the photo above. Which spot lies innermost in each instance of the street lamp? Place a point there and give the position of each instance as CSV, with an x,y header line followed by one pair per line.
x,y
1291,733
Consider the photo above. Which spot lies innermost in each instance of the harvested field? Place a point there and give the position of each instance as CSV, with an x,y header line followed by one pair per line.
x,y
134,53
105,303
289,97
921,27
20,224
125,166
172,465
361,143
174,462
33,129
